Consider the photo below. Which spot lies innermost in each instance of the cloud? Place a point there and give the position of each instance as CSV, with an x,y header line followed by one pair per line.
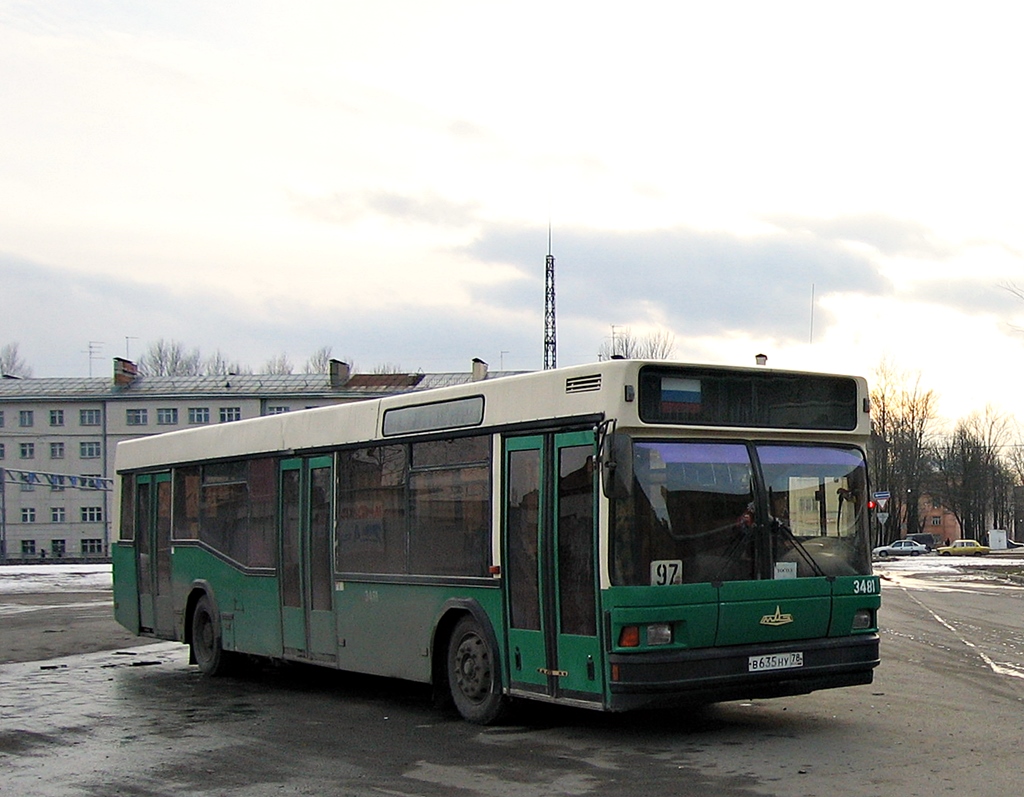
x,y
55,329
719,283
426,208
888,235
697,282
106,314
970,295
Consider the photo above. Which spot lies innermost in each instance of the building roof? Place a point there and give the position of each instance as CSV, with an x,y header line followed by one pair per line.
x,y
355,386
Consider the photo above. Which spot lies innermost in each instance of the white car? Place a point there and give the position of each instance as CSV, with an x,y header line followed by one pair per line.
x,y
901,548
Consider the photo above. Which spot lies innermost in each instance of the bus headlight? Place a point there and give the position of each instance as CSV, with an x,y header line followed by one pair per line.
x,y
659,634
863,619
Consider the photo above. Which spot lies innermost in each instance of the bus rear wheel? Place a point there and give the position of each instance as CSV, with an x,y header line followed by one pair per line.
x,y
207,649
471,674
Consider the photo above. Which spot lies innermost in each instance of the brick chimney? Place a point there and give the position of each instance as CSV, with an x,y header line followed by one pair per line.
x,y
125,372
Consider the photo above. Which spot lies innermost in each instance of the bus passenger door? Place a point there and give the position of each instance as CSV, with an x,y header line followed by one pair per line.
x,y
153,551
550,556
307,573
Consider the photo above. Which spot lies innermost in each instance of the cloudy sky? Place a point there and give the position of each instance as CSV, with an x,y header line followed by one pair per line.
x,y
830,184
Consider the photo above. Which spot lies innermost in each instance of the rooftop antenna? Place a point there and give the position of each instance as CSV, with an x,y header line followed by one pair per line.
x,y
549,307
93,351
811,335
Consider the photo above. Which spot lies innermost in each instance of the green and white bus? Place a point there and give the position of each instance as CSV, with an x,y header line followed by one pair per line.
x,y
615,536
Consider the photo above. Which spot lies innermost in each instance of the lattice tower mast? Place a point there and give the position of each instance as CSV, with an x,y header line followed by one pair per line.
x,y
549,307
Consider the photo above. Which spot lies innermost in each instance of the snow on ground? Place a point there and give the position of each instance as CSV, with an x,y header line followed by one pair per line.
x,y
933,563
945,573
20,579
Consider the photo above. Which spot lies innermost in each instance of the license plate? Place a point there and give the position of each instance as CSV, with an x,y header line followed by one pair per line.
x,y
775,661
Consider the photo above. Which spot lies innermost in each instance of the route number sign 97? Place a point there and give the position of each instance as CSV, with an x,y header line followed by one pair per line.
x,y
666,571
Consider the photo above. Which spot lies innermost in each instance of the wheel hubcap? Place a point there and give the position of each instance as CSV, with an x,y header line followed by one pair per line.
x,y
473,668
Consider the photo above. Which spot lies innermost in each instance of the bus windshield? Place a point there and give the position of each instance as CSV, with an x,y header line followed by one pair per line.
x,y
713,512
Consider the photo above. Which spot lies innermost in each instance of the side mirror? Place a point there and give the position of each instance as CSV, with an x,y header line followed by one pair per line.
x,y
617,465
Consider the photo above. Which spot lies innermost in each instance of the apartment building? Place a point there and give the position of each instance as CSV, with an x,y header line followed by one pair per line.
x,y
937,520
58,436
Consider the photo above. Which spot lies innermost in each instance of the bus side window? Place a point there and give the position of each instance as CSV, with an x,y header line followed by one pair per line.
x,y
576,540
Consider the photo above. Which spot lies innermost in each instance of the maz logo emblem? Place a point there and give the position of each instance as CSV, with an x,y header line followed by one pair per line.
x,y
778,618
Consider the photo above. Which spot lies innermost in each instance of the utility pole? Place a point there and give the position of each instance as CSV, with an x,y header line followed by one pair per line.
x,y
549,307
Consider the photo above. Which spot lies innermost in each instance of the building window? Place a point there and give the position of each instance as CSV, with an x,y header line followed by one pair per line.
x,y
228,414
1,419
26,418
89,450
92,514
936,521
57,514
277,409
28,547
56,451
28,514
137,417
27,450
56,417
168,416
92,547
89,417
198,414
57,547
2,451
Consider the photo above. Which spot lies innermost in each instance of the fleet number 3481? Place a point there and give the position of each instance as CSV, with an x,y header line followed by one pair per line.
x,y
865,586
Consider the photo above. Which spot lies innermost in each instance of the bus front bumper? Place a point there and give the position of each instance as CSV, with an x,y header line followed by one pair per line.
x,y
661,679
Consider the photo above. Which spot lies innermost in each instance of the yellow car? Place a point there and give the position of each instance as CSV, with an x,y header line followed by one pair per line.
x,y
963,548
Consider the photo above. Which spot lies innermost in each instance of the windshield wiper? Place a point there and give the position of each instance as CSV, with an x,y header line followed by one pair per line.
x,y
780,528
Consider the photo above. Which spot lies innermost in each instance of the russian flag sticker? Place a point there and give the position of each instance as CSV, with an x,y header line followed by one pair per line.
x,y
680,395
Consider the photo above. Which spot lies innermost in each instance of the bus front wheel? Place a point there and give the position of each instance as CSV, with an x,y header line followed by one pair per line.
x,y
207,649
471,674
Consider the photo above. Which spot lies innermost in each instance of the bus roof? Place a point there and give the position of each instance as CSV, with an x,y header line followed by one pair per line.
x,y
594,390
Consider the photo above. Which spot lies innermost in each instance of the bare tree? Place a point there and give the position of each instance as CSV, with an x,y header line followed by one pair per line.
x,y
170,358
996,429
11,363
902,413
218,365
975,476
1017,291
319,362
1016,455
279,365
388,368
659,345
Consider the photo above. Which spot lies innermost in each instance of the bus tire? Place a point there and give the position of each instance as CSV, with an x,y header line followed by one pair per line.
x,y
471,674
207,649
